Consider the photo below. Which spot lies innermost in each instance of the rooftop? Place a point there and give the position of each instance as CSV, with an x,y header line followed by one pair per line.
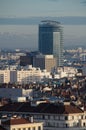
x,y
16,121
42,108
50,23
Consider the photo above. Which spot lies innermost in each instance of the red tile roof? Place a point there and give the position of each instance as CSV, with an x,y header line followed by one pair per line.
x,y
16,121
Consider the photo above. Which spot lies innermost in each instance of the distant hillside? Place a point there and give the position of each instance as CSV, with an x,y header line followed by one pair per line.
x,y
36,20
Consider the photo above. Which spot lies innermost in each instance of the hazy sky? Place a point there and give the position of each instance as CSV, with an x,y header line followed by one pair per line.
x,y
26,36
26,8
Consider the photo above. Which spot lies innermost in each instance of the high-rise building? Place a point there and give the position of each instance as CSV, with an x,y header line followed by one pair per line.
x,y
51,40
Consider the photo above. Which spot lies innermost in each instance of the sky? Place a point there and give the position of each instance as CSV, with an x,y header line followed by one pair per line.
x,y
26,8
26,35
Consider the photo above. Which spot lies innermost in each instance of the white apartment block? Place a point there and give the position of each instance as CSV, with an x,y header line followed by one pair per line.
x,y
23,76
33,74
4,76
66,71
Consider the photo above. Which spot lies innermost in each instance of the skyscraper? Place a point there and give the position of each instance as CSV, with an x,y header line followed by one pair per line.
x,y
51,40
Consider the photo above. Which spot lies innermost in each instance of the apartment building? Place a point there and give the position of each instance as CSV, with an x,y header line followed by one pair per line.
x,y
55,116
24,75
4,76
31,75
67,71
28,74
18,123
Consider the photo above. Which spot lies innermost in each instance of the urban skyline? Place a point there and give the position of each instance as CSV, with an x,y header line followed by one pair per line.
x,y
42,65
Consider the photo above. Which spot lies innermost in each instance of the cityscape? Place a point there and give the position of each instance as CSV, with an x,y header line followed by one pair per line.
x,y
42,65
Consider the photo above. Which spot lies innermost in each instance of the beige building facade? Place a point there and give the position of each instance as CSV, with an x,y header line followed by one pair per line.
x,y
21,124
45,62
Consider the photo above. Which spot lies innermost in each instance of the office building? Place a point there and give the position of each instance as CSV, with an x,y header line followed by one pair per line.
x,y
47,62
25,60
51,40
28,58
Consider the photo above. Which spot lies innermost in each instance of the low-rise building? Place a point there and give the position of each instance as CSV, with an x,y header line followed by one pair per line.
x,y
66,72
16,93
18,123
55,116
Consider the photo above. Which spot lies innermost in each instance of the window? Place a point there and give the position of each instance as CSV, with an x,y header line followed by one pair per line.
x,y
43,117
66,117
46,117
24,129
39,127
70,117
66,125
62,117
81,116
56,117
75,124
33,128
51,117
84,124
35,117
51,124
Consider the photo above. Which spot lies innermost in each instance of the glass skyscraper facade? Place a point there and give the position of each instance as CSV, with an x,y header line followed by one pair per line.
x,y
51,40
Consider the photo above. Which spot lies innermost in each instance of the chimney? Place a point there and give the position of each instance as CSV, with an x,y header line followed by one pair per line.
x,y
31,119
